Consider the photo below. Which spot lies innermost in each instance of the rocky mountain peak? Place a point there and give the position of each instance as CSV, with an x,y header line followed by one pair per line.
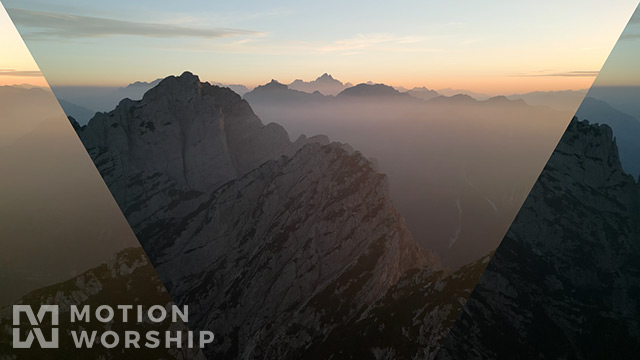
x,y
175,86
275,84
325,77
199,135
261,237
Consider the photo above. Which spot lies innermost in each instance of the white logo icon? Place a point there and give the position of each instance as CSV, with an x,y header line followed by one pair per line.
x,y
25,344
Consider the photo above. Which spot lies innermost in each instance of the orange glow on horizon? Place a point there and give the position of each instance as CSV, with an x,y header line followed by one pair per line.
x,y
39,81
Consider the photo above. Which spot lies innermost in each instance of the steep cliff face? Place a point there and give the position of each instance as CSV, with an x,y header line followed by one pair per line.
x,y
290,251
127,279
199,135
272,244
565,282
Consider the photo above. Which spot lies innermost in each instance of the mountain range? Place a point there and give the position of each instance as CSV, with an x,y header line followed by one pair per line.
x,y
378,105
275,245
290,249
324,84
622,98
81,102
455,144
561,100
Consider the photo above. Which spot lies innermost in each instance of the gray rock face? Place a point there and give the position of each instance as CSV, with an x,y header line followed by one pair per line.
x,y
199,135
409,322
292,250
272,244
565,282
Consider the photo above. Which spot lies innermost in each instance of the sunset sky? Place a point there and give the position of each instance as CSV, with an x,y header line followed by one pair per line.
x,y
16,64
490,46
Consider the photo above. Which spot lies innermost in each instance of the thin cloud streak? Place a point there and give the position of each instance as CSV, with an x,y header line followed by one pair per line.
x,y
587,73
47,25
14,72
362,41
630,37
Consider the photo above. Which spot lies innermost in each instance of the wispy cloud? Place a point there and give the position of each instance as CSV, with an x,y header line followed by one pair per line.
x,y
363,41
46,25
14,72
579,73
630,37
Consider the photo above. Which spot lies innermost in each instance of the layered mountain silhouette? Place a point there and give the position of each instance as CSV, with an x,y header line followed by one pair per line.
x,y
324,84
276,246
78,112
372,90
623,98
276,92
565,281
237,88
455,144
423,93
453,92
561,100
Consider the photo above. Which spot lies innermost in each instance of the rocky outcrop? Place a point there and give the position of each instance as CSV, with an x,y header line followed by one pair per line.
x,y
565,281
272,244
199,135
289,251
409,322
625,127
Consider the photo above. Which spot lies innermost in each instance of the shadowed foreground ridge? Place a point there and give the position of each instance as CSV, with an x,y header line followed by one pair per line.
x,y
565,282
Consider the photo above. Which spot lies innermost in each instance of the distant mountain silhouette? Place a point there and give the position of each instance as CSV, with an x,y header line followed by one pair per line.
x,y
422,93
455,99
623,98
561,100
237,88
423,145
325,84
375,90
626,130
80,113
100,98
452,92
277,92
466,100
505,101
142,84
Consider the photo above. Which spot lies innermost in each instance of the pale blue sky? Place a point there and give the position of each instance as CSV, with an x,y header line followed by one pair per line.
x,y
621,67
487,46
